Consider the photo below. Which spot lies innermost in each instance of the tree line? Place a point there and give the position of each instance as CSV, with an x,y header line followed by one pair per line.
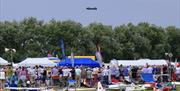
x,y
35,38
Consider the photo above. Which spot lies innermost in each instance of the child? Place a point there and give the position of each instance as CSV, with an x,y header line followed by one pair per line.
x,y
48,78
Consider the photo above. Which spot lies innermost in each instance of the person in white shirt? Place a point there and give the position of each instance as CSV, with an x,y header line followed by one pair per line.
x,y
178,70
149,70
105,74
78,76
32,75
89,77
66,74
2,78
40,70
144,70
28,70
55,75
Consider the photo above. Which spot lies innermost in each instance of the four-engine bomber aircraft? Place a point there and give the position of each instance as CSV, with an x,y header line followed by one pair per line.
x,y
91,8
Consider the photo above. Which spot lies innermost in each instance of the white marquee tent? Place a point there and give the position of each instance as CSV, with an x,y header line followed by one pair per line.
x,y
140,62
3,61
37,61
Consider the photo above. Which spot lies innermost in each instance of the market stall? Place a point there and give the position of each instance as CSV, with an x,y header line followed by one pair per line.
x,y
37,61
3,61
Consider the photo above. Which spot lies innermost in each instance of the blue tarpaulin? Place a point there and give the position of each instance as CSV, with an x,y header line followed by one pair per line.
x,y
147,77
79,62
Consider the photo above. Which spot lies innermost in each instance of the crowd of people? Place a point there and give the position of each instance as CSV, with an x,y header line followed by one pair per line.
x,y
84,76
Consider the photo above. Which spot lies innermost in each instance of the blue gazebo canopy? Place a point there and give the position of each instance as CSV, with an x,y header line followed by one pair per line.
x,y
78,62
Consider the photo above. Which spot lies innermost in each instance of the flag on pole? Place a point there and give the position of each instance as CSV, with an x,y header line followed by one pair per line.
x,y
61,44
99,58
72,59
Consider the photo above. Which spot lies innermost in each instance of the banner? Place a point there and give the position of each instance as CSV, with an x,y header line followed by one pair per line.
x,y
92,57
99,58
72,59
61,45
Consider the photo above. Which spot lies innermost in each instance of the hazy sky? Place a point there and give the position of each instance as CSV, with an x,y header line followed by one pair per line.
x,y
110,12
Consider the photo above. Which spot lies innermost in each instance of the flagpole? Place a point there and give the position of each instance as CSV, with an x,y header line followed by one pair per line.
x,y
11,57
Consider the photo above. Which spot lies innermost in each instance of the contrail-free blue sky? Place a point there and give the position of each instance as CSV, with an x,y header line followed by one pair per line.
x,y
110,12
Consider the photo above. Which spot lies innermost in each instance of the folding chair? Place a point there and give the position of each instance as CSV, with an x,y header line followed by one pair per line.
x,y
71,85
148,79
